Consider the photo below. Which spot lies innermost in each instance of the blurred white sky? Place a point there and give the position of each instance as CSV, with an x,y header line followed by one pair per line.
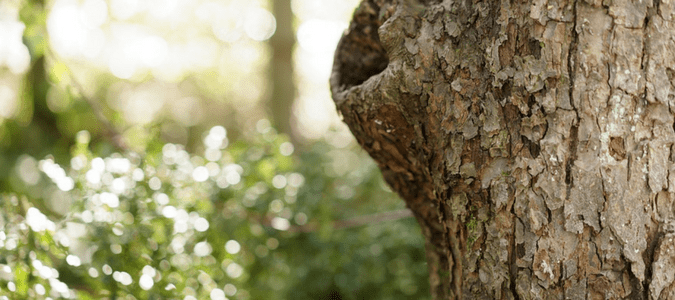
x,y
163,41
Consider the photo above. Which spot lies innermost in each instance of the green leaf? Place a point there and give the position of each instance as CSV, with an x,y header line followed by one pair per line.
x,y
21,273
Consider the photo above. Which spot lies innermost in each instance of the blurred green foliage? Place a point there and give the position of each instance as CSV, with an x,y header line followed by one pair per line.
x,y
246,221
83,218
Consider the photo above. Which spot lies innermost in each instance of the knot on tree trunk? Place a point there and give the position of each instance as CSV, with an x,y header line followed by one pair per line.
x,y
360,54
384,107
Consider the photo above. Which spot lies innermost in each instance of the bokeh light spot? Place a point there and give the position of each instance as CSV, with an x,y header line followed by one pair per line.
x,y
27,167
73,260
232,247
38,221
201,224
230,289
300,218
217,294
200,174
259,24
234,270
146,282
280,224
8,102
202,249
279,181
13,53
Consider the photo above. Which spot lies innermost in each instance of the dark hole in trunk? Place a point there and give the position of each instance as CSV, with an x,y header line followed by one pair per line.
x,y
360,55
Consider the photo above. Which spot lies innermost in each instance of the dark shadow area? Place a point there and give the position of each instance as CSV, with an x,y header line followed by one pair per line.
x,y
360,55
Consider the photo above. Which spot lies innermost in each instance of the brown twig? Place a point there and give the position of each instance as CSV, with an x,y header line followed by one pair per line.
x,y
373,219
359,221
340,224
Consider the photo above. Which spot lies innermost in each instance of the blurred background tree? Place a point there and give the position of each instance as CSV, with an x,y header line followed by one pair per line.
x,y
137,160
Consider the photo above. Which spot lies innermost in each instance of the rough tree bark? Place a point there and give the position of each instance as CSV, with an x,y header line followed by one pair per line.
x,y
533,140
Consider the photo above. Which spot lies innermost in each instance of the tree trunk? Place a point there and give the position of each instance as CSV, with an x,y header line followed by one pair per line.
x,y
532,140
282,95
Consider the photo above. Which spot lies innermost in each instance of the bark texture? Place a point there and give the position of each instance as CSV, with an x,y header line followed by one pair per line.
x,y
533,140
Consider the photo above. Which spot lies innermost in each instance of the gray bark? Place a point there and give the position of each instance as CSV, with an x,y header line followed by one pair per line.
x,y
533,140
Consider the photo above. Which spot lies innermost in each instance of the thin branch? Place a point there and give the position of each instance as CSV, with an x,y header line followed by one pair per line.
x,y
110,131
339,224
359,221
373,219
